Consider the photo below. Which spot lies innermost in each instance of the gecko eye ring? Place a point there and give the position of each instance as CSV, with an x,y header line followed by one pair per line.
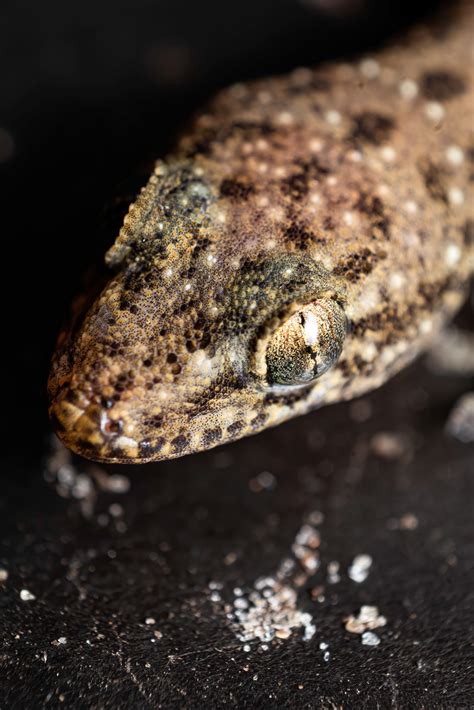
x,y
307,344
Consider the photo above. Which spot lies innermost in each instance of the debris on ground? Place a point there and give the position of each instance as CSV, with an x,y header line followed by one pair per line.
x,y
83,482
368,638
26,595
61,641
391,445
452,353
368,618
460,422
360,567
408,521
265,481
333,572
269,611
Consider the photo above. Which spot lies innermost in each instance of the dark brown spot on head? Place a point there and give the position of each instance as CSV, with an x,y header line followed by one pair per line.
x,y
371,127
354,266
387,320
329,224
441,85
211,436
148,449
236,189
353,367
287,399
369,204
299,236
235,427
179,443
468,232
434,179
395,323
85,445
259,420
374,208
296,186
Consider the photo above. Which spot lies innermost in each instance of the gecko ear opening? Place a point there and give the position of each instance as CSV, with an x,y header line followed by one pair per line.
x,y
307,344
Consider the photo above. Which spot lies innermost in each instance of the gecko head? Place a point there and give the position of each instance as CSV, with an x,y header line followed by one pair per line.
x,y
159,369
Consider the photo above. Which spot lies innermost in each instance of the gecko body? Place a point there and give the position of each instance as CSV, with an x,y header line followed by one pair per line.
x,y
308,237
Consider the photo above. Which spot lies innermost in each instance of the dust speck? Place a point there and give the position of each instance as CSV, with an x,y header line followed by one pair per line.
x,y
26,595
368,638
263,482
367,619
360,567
390,445
61,641
333,572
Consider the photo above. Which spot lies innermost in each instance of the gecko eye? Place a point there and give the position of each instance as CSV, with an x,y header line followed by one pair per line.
x,y
307,344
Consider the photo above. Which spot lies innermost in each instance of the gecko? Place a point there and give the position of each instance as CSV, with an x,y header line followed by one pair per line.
x,y
308,237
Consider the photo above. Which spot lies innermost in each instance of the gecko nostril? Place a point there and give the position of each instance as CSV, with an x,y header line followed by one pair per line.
x,y
112,427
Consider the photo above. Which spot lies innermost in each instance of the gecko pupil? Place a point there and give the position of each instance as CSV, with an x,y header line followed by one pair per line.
x,y
307,344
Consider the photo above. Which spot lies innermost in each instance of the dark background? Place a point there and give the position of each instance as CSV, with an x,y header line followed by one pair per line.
x,y
90,94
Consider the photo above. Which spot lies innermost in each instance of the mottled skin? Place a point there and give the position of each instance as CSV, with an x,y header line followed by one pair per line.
x,y
344,189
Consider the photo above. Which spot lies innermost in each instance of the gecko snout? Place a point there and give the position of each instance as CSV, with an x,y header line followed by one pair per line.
x,y
92,432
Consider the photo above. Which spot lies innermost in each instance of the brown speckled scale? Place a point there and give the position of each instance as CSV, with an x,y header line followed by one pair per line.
x,y
344,189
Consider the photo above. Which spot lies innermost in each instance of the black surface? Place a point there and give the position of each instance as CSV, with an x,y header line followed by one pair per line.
x,y
90,93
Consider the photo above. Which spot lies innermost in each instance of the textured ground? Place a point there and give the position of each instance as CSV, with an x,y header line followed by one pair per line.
x,y
84,102
109,573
